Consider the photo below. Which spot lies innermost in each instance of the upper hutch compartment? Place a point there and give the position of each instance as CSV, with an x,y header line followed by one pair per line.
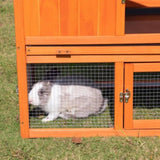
x,y
63,22
142,17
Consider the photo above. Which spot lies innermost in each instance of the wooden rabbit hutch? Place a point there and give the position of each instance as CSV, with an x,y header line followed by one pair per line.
x,y
112,45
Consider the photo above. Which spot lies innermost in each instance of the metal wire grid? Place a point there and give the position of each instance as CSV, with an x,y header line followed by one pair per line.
x,y
94,75
146,95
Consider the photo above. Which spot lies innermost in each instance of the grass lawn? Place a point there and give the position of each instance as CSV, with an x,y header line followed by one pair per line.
x,y
13,147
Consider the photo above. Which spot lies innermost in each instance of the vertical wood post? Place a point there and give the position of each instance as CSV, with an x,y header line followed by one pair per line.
x,y
21,68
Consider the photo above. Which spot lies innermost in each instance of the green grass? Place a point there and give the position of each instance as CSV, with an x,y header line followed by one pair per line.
x,y
103,120
13,147
146,113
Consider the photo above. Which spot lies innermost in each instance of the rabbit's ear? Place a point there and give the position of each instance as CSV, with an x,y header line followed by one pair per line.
x,y
49,83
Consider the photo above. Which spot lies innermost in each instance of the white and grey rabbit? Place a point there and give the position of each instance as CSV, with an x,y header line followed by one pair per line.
x,y
66,101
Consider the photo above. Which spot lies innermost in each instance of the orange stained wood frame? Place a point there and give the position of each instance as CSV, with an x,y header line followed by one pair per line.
x,y
33,30
91,59
129,123
91,40
26,132
21,68
73,17
90,132
93,50
142,3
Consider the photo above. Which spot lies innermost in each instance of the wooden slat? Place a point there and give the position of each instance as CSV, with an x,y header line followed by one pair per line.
x,y
90,132
49,17
118,112
127,39
21,68
146,67
31,17
107,17
89,58
120,18
128,107
146,124
94,50
142,3
69,17
88,17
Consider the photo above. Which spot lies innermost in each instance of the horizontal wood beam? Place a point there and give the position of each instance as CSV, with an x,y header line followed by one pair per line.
x,y
123,50
90,132
92,40
145,124
92,59
147,67
142,3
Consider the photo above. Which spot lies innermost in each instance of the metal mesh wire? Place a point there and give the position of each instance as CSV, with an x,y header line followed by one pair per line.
x,y
98,76
146,101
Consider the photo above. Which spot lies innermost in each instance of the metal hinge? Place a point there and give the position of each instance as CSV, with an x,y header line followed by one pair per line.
x,y
121,97
123,1
124,97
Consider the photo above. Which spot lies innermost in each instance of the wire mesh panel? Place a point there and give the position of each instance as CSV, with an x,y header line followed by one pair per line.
x,y
71,95
146,101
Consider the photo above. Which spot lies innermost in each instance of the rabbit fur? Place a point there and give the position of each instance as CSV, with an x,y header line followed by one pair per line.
x,y
66,101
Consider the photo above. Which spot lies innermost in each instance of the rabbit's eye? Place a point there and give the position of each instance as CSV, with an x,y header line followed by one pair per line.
x,y
41,92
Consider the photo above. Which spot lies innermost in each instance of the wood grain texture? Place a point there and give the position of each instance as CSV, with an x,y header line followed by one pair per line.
x,y
69,17
146,124
120,18
90,132
118,112
107,17
31,17
94,50
148,67
65,40
91,58
21,68
128,107
49,18
88,17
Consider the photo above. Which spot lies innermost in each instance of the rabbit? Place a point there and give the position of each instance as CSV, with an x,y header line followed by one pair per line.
x,y
66,101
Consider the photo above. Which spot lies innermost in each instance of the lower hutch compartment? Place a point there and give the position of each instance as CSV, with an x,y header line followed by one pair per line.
x,y
131,88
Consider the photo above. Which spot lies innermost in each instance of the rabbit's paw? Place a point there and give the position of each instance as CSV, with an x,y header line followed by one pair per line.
x,y
50,117
46,119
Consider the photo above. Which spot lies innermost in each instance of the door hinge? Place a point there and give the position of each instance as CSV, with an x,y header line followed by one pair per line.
x,y
123,1
124,97
121,97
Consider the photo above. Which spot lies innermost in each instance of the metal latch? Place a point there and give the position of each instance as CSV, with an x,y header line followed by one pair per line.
x,y
63,51
123,1
124,96
127,95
